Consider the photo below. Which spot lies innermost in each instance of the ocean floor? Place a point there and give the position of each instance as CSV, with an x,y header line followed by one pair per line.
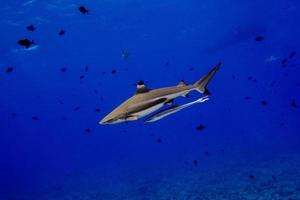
x,y
264,176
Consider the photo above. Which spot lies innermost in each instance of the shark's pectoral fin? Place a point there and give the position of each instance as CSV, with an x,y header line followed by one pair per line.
x,y
132,118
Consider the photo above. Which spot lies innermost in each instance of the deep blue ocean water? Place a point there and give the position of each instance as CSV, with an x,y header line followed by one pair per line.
x,y
243,143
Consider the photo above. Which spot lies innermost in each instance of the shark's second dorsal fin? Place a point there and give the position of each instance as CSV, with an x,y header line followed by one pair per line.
x,y
141,88
181,83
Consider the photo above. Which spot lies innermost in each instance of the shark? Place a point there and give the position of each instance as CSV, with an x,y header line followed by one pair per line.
x,y
146,101
174,109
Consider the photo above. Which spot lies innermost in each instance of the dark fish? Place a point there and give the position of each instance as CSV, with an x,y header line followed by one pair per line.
x,y
35,118
192,69
222,150
97,109
63,69
195,162
274,178
200,127
167,63
259,38
86,69
61,32
83,10
103,73
264,102
294,104
247,97
63,118
30,27
284,61
81,77
77,108
251,176
14,114
159,140
61,102
292,54
125,54
9,69
113,71
88,130
25,43
206,153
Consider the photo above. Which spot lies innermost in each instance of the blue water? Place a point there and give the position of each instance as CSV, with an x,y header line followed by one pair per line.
x,y
54,93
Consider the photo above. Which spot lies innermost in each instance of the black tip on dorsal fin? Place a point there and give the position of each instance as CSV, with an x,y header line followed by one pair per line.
x,y
181,83
141,88
141,82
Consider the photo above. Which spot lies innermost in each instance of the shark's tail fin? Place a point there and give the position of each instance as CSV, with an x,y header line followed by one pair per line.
x,y
202,83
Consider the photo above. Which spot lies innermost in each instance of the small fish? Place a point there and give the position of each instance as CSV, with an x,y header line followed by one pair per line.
x,y
30,27
25,43
125,54
63,69
88,130
271,59
81,77
284,61
86,69
259,38
9,69
200,127
113,71
158,140
77,108
61,32
195,162
28,2
292,54
264,102
35,118
294,104
174,109
83,10
97,109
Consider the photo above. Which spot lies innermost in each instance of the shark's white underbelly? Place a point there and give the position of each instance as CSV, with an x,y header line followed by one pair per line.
x,y
158,106
149,110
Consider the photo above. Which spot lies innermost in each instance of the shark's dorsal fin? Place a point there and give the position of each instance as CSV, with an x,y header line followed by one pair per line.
x,y
141,88
181,83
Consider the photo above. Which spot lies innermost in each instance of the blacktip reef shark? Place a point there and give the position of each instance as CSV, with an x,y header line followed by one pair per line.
x,y
174,109
146,101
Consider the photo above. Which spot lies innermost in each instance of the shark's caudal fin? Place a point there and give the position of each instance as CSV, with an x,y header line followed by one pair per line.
x,y
202,83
